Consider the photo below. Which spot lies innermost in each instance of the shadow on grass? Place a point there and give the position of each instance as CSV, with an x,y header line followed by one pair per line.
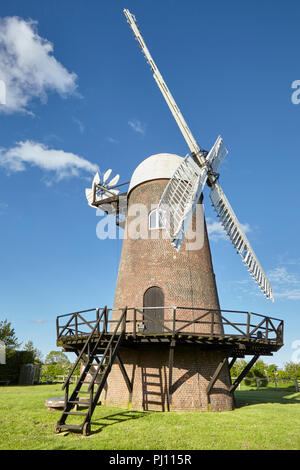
x,y
117,418
266,395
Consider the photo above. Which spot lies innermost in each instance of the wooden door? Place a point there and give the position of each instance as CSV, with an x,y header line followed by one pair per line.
x,y
153,317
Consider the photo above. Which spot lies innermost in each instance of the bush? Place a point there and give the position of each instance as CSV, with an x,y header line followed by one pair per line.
x,y
292,370
14,360
50,372
263,382
249,382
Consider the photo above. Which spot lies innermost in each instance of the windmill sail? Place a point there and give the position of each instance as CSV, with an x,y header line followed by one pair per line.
x,y
191,142
217,154
101,189
184,189
234,231
180,197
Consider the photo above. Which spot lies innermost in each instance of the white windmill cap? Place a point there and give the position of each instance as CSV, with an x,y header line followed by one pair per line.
x,y
159,166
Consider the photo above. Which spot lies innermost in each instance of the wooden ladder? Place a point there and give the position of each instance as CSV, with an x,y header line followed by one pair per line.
x,y
98,355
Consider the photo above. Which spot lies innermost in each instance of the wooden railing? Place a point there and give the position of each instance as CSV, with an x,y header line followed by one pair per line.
x,y
176,321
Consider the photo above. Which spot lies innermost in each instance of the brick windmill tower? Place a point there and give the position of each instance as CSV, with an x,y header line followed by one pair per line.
x,y
154,277
166,343
161,267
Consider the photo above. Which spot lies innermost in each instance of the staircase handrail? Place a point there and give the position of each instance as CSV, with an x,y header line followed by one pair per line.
x,y
84,348
122,318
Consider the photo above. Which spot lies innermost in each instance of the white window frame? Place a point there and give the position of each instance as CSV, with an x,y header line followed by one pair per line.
x,y
158,223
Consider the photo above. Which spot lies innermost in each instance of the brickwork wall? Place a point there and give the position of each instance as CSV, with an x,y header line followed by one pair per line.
x,y
187,279
148,369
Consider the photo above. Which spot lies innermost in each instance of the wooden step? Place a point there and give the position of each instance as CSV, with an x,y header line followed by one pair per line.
x,y
71,427
79,402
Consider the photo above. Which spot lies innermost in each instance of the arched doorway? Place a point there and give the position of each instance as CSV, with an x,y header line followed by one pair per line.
x,y
153,317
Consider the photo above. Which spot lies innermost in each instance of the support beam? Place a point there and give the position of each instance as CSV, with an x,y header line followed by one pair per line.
x,y
214,378
125,376
243,373
171,362
232,362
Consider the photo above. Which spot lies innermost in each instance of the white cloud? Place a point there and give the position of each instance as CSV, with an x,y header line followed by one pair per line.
x,y
112,140
63,164
286,285
137,126
245,227
79,124
216,231
28,67
280,275
290,294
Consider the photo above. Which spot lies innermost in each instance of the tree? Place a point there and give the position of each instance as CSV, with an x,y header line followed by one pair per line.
x,y
292,370
272,371
57,357
259,369
238,367
36,353
7,335
56,363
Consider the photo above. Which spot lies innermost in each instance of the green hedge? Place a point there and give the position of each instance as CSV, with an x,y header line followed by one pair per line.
x,y
14,360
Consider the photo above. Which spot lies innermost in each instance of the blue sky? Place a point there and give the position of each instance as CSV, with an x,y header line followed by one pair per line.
x,y
88,99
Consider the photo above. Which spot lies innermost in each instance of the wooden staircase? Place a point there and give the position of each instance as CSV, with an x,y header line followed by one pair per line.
x,y
98,354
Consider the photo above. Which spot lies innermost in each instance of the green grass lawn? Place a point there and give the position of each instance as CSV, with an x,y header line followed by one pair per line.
x,y
265,419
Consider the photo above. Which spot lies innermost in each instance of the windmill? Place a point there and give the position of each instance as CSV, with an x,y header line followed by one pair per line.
x,y
104,193
184,189
166,343
102,189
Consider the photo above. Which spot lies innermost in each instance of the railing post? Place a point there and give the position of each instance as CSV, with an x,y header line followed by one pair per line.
x,y
57,327
134,323
97,318
248,325
267,328
281,331
124,320
174,321
105,320
76,324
